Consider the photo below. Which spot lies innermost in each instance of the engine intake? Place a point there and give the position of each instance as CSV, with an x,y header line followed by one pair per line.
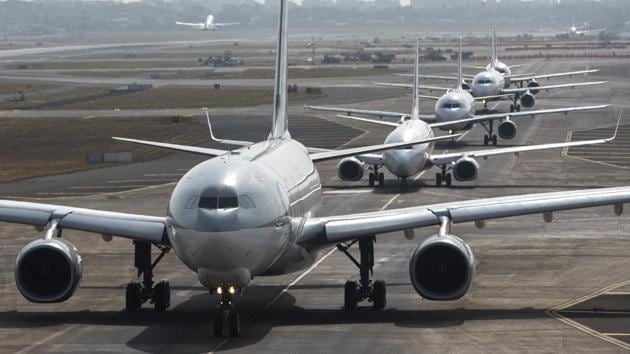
x,y
533,85
465,169
507,130
48,270
528,100
442,268
350,169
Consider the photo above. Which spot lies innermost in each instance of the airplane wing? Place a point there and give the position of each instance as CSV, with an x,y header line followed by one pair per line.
x,y
357,111
196,25
445,159
373,121
552,87
176,147
136,227
319,232
224,141
489,98
335,154
437,77
489,117
522,78
424,87
225,24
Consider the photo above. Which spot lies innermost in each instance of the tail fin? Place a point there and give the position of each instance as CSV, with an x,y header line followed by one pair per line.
x,y
280,129
494,48
415,106
209,20
460,74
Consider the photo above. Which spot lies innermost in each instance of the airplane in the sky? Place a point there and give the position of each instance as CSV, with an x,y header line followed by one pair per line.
x,y
455,111
496,80
251,212
209,25
405,163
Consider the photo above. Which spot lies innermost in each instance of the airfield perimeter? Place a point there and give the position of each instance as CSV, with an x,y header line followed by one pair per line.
x,y
530,292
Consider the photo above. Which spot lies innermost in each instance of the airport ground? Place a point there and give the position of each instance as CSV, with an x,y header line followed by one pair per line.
x,y
539,287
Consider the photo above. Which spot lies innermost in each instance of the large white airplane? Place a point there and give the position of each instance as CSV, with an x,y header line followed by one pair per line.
x,y
251,212
405,163
455,111
574,30
496,80
209,25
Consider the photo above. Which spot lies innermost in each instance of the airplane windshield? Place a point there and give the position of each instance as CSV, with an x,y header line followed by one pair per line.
x,y
223,202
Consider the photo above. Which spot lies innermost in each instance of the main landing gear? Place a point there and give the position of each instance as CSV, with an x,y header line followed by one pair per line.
x,y
226,322
376,176
490,137
138,293
404,184
515,106
366,289
443,176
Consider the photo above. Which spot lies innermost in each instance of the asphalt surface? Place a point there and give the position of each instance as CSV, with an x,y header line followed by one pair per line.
x,y
529,272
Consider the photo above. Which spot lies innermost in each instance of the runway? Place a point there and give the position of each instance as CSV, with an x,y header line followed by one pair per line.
x,y
525,269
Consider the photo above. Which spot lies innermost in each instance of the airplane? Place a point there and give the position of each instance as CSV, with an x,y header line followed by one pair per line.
x,y
495,81
251,212
455,111
208,25
579,31
405,163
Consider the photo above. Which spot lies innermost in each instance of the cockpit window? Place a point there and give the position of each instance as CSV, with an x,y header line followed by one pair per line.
x,y
208,202
451,105
228,202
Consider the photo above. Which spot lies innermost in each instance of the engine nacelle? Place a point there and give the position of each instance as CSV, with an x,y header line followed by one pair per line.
x,y
465,85
532,85
442,268
528,100
466,169
48,270
350,169
507,130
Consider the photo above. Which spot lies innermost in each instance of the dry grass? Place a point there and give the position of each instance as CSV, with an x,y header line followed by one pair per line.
x,y
43,147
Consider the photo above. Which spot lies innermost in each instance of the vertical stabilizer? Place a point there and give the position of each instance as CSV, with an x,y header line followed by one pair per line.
x,y
460,74
415,106
280,127
493,59
209,21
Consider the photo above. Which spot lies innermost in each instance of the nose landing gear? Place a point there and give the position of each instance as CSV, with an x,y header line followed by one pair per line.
x,y
226,321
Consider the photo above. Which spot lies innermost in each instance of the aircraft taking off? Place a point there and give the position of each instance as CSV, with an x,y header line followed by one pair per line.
x,y
580,31
209,25
496,79
251,212
455,111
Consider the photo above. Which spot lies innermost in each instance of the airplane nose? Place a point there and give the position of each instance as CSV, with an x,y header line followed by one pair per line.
x,y
402,162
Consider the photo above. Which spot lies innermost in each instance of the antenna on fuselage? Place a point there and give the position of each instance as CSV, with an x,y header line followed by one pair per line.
x,y
460,74
415,105
280,129
493,59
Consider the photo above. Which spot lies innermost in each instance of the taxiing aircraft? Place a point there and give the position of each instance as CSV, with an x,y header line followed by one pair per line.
x,y
580,31
455,111
251,212
209,25
496,80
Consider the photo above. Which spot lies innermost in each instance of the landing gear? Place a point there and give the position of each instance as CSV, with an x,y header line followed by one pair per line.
x,y
443,177
404,184
366,289
376,176
227,321
137,293
515,108
490,137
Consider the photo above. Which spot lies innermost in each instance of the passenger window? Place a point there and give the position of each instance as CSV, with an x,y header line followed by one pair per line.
x,y
208,202
246,202
228,202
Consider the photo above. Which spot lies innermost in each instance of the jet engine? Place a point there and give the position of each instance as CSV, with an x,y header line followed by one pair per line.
x,y
507,130
532,86
48,270
528,100
442,268
350,169
465,169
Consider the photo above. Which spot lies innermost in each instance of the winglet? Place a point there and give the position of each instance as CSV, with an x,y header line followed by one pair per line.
x,y
209,124
616,129
415,106
280,119
494,48
460,74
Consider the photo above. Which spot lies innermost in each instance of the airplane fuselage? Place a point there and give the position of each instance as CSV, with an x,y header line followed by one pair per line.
x,y
488,83
237,216
455,105
410,161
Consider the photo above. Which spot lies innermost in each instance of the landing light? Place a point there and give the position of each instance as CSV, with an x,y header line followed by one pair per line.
x,y
231,290
219,290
